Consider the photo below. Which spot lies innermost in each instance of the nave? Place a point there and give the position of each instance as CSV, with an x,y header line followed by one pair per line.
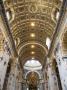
x,y
33,44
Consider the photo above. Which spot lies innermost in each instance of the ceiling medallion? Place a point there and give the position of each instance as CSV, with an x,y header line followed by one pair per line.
x,y
32,35
32,52
32,24
33,8
32,46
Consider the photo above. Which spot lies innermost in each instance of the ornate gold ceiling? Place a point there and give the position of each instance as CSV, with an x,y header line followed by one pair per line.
x,y
36,52
64,41
32,21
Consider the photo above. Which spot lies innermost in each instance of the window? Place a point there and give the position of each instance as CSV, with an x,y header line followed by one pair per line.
x,y
33,65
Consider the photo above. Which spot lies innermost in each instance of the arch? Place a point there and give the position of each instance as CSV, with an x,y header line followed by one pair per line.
x,y
35,72
34,44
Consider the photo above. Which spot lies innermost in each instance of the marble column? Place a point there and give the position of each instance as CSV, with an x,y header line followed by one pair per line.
x,y
11,85
52,78
45,84
62,66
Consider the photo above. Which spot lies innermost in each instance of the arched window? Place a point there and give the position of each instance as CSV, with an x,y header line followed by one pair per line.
x,y
55,14
33,65
10,14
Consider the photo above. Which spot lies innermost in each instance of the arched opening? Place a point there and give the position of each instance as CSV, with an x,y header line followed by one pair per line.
x,y
32,74
32,79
